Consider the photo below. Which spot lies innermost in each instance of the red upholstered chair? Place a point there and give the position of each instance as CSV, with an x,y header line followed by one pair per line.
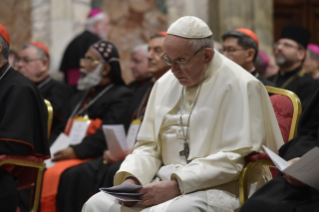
x,y
287,108
29,169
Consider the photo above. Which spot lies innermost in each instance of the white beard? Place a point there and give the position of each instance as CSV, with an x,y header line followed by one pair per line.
x,y
91,79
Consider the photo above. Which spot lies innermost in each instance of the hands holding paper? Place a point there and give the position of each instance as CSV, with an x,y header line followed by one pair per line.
x,y
291,180
65,154
154,193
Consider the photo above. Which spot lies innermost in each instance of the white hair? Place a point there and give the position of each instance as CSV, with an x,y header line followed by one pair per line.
x,y
197,43
142,47
91,21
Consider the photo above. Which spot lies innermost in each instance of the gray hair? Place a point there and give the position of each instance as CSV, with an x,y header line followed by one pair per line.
x,y
197,43
142,47
40,51
5,49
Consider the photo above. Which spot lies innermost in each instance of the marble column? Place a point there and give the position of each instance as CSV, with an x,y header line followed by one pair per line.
x,y
256,15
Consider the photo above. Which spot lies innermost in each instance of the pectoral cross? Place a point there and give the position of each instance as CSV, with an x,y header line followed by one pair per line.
x,y
185,152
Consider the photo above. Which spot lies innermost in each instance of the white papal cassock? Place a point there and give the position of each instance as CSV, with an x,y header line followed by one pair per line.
x,y
232,118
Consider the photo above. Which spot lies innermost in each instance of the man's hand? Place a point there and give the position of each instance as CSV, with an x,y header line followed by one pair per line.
x,y
107,156
291,180
159,192
131,180
65,154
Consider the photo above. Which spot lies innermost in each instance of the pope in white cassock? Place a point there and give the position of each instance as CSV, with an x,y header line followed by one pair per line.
x,y
203,117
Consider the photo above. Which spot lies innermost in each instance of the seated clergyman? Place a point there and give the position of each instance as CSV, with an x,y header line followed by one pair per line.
x,y
203,117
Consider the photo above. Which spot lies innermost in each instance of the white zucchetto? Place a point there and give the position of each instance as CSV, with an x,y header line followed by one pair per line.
x,y
189,27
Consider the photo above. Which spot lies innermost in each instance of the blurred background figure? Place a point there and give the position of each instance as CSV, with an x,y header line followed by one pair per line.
x,y
138,66
13,59
261,63
311,64
272,68
97,27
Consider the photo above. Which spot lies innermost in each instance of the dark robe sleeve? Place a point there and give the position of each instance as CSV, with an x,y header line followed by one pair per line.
x,y
306,88
95,144
23,120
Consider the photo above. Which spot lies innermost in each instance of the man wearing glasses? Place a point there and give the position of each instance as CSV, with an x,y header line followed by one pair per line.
x,y
196,131
241,46
290,53
34,64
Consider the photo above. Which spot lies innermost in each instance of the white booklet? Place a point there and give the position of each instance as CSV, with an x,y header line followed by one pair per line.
x,y
306,169
62,142
116,139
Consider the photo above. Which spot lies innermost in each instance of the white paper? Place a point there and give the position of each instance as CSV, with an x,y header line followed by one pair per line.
x,y
62,142
132,135
306,169
278,161
78,131
116,139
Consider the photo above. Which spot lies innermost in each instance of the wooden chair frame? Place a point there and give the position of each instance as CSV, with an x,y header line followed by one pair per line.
x,y
40,166
244,175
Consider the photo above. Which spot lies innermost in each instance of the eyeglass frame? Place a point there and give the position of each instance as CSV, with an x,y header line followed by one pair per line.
x,y
170,62
231,52
93,62
29,60
287,46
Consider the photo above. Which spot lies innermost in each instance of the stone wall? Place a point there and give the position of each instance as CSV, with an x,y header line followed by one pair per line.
x,y
257,15
133,22
16,16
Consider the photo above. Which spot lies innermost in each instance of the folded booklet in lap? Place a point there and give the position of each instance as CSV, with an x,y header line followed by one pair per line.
x,y
125,192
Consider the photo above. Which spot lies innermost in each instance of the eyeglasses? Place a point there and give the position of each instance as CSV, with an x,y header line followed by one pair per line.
x,y
286,46
180,62
28,60
232,51
89,61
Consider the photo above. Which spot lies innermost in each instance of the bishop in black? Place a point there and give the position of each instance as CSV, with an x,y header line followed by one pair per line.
x,y
104,100
23,122
290,52
278,194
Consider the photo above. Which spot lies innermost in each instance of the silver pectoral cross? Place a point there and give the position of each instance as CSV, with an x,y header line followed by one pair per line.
x,y
185,152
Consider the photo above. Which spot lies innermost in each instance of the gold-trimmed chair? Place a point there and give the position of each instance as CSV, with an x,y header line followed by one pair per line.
x,y
30,168
280,98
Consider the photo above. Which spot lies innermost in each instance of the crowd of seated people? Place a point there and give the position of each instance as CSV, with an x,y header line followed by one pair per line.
x,y
198,112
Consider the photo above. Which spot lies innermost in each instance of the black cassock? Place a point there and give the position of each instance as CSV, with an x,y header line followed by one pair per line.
x,y
23,126
278,195
76,50
302,84
79,183
110,108
58,94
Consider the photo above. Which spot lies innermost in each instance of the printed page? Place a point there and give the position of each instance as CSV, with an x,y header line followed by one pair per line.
x,y
62,142
78,131
116,139
278,161
306,169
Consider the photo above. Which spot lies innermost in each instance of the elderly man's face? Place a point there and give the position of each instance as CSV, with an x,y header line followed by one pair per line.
x,y
288,53
90,61
103,27
31,65
178,49
156,65
139,65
